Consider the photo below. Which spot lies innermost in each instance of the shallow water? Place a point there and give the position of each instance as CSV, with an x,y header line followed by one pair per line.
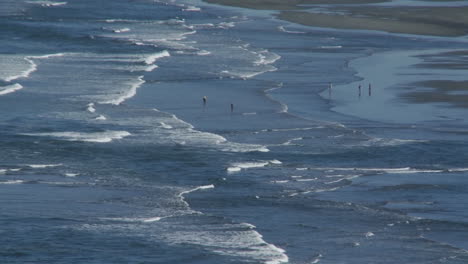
x,y
108,154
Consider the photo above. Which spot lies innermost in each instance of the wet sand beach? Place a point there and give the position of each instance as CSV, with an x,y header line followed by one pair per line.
x,y
451,92
420,20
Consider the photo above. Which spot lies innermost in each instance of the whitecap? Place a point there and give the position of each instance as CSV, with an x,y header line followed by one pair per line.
x,y
91,108
306,180
134,219
151,68
226,25
12,182
47,3
331,47
122,30
265,57
98,137
100,117
126,95
153,57
192,9
10,88
32,66
282,29
68,174
43,166
238,166
164,125
203,53
281,181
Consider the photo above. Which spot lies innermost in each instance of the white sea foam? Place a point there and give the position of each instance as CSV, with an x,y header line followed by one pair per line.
x,y
10,88
226,25
246,165
240,240
153,57
317,259
32,66
151,68
458,169
192,9
47,3
331,47
282,29
98,137
164,125
68,174
306,180
12,182
122,30
203,187
134,219
391,142
238,166
206,25
234,169
2,171
382,170
126,95
183,133
100,117
265,57
203,53
239,147
43,166
91,108
281,181
290,142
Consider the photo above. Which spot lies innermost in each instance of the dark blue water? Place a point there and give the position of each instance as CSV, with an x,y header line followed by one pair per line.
x,y
108,154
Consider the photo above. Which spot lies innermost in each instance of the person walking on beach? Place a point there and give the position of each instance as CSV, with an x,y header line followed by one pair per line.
x,y
370,89
359,90
204,100
232,108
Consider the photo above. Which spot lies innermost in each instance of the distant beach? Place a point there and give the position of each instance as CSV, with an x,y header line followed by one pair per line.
x,y
426,20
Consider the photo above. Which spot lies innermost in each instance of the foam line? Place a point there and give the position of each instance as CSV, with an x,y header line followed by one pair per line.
x,y
153,57
10,88
43,166
33,66
12,182
98,137
129,94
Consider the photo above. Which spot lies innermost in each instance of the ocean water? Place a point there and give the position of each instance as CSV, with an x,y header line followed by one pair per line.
x,y
108,154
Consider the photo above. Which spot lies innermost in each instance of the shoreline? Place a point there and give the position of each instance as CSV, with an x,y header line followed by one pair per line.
x,y
443,21
401,90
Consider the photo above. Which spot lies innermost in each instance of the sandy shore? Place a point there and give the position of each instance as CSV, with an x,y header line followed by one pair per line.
x,y
285,4
441,91
446,21
436,21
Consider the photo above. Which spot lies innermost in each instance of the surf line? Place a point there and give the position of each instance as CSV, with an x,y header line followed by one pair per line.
x,y
33,66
